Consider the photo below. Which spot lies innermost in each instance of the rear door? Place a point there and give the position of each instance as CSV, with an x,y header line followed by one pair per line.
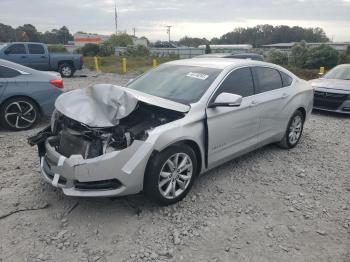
x,y
39,59
8,77
232,130
270,101
3,80
17,53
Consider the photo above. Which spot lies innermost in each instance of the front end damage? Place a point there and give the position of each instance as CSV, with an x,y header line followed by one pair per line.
x,y
86,159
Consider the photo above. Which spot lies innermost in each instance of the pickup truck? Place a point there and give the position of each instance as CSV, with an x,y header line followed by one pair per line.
x,y
37,56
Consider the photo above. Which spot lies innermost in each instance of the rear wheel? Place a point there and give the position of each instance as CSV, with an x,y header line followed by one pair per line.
x,y
66,70
294,130
171,174
19,113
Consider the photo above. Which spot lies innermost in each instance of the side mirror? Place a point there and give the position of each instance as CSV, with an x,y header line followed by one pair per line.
x,y
6,52
227,100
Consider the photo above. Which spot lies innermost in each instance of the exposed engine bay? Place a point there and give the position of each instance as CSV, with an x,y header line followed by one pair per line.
x,y
74,138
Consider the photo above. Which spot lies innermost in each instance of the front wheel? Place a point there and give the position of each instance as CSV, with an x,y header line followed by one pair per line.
x,y
171,174
66,70
294,131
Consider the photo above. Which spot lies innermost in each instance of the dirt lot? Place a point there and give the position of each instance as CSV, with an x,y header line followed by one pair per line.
x,y
270,205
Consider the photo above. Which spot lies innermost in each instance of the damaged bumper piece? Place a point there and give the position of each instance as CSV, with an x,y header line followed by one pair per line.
x,y
98,143
113,174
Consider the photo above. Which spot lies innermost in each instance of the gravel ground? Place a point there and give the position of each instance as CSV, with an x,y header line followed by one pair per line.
x,y
269,205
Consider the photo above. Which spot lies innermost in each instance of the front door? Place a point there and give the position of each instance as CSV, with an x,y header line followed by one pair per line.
x,y
233,130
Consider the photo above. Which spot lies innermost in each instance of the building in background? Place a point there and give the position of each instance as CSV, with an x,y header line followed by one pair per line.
x,y
81,39
140,41
339,46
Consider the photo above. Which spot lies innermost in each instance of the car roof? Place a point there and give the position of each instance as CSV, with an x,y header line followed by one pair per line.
x,y
220,63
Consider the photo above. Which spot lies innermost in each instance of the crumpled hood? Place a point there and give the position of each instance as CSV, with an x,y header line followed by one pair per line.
x,y
331,83
103,105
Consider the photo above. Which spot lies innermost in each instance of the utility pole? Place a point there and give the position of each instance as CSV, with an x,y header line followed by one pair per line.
x,y
134,29
115,17
168,32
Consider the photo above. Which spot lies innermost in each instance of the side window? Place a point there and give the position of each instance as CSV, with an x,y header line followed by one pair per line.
x,y
16,49
286,79
36,49
239,82
6,72
267,78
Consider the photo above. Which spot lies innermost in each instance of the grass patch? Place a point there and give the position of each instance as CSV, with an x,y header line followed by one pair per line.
x,y
113,64
306,74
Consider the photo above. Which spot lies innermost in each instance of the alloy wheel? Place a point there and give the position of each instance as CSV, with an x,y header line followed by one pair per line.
x,y
20,114
175,175
66,71
295,129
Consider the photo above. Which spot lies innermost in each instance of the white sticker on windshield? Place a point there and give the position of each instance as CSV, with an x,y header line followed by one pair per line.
x,y
197,75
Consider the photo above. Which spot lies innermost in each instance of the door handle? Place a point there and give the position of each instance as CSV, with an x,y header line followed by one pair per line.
x,y
23,56
254,103
284,95
43,56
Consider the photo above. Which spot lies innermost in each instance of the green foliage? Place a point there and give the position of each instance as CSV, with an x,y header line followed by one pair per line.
x,y
90,50
138,50
321,56
28,32
120,40
299,54
268,34
277,57
207,49
193,41
57,49
106,49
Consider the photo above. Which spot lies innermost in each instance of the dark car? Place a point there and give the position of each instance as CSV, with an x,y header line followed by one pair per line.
x,y
37,56
251,56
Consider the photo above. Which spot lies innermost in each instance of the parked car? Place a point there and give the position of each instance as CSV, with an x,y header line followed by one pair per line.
x,y
251,56
332,91
26,95
37,56
169,125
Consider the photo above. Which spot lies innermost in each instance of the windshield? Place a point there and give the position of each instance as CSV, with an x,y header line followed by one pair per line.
x,y
183,84
339,72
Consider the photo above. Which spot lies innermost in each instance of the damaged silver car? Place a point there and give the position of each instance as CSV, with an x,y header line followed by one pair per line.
x,y
168,126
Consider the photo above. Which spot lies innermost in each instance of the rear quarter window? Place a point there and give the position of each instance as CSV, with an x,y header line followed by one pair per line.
x,y
6,72
36,49
286,79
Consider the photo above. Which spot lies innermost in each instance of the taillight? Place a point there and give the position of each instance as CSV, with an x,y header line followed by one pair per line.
x,y
57,83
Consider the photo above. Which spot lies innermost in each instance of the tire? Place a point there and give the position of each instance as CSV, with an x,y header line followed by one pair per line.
x,y
66,70
161,188
19,113
294,131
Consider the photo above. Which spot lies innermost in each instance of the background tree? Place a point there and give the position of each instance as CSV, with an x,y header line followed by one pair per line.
x,y
207,49
298,54
192,42
321,56
120,40
277,57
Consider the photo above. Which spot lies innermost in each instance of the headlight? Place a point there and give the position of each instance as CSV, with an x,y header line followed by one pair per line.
x,y
55,116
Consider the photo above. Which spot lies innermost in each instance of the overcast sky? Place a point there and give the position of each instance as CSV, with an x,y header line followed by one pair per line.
x,y
203,18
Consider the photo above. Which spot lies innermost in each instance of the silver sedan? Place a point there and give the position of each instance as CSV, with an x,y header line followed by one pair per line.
x,y
332,91
26,95
168,126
